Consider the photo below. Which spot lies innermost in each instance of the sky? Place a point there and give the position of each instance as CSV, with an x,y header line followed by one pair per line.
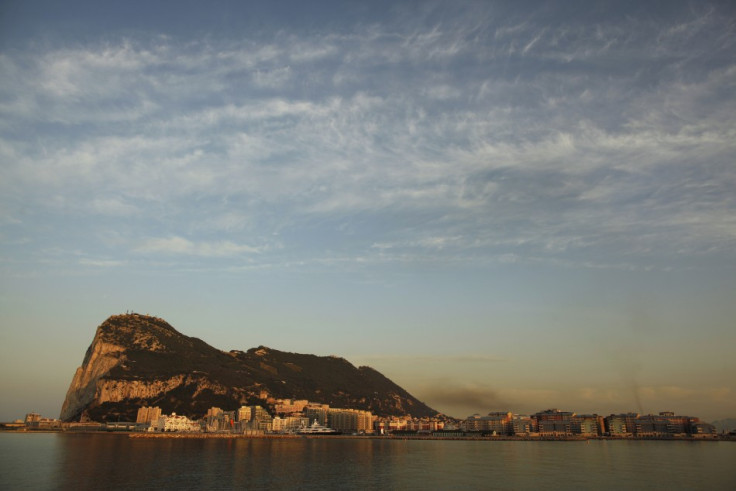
x,y
502,206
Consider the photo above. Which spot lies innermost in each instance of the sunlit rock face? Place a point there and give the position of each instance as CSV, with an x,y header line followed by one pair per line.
x,y
137,360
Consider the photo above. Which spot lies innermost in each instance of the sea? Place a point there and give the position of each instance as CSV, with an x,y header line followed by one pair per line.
x,y
115,461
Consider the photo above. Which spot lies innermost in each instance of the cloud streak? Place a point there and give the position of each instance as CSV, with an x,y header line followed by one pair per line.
x,y
181,246
573,142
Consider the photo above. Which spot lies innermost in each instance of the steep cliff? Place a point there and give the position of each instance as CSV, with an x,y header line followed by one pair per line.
x,y
136,360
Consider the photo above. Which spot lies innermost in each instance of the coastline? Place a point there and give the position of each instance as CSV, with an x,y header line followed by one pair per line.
x,y
278,436
421,437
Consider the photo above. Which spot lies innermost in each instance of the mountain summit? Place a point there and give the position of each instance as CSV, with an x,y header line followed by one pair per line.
x,y
138,360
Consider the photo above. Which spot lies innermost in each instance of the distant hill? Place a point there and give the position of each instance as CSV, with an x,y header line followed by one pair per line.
x,y
136,360
726,425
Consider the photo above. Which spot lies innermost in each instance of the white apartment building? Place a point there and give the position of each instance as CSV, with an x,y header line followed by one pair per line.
x,y
174,423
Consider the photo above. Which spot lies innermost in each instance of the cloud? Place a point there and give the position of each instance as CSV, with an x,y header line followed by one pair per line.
x,y
464,399
181,246
463,396
100,263
276,77
113,206
453,359
531,43
673,393
497,138
428,242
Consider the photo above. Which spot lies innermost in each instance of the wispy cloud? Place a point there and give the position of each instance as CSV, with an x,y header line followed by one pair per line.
x,y
459,358
531,43
180,245
100,263
570,141
113,206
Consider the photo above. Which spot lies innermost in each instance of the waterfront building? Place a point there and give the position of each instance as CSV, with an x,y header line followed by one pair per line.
x,y
228,419
49,423
175,423
471,423
651,425
522,425
147,414
289,406
244,413
630,419
615,425
350,420
498,423
587,425
700,428
424,425
254,419
86,426
553,422
45,424
554,428
621,424
678,424
553,415
320,412
390,424
289,424
665,423
36,421
278,425
601,424
259,414
218,420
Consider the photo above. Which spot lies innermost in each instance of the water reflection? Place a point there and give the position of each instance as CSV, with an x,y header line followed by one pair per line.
x,y
89,461
27,460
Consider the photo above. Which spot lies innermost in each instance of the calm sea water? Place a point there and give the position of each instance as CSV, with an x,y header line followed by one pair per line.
x,y
110,461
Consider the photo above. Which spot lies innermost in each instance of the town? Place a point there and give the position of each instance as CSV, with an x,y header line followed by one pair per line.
x,y
302,417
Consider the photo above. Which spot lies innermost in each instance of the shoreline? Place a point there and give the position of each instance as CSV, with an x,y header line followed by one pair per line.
x,y
277,436
422,437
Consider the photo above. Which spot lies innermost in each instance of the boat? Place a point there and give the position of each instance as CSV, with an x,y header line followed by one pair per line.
x,y
317,429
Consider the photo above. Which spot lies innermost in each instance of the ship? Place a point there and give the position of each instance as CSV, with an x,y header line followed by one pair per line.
x,y
317,429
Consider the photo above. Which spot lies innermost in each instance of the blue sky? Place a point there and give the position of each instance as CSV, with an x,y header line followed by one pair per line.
x,y
500,205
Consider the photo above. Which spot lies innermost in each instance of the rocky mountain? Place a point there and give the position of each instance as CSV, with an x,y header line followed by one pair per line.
x,y
137,360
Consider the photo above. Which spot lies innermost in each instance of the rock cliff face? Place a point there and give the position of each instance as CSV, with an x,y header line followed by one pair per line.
x,y
136,360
